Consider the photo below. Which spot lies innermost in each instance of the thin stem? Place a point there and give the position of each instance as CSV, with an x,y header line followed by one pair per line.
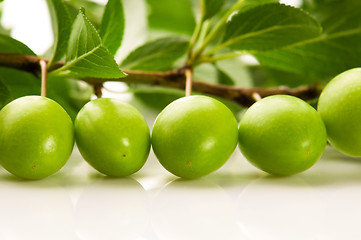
x,y
171,79
196,33
189,81
204,31
43,69
217,28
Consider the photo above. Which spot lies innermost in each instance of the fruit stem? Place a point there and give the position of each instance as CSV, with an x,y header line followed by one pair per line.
x,y
189,80
42,63
173,79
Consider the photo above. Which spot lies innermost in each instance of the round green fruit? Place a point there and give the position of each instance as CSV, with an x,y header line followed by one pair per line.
x,y
282,135
112,136
36,137
194,136
340,109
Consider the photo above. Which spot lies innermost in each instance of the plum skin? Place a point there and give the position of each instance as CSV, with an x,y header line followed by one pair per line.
x,y
112,136
36,137
194,136
340,108
282,135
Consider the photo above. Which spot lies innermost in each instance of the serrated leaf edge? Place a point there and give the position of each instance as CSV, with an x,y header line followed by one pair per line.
x,y
72,62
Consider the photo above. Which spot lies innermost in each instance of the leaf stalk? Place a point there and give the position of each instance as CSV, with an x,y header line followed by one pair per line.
x,y
217,29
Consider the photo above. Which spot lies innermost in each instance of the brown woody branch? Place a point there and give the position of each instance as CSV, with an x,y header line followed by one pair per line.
x,y
174,79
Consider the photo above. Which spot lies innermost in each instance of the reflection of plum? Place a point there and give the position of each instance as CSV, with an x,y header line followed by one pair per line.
x,y
280,208
193,210
111,209
35,210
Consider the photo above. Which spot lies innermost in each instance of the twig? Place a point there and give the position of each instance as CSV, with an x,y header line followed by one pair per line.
x,y
19,61
173,79
189,79
240,95
42,63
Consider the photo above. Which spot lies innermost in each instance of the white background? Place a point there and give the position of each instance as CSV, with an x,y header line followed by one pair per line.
x,y
236,202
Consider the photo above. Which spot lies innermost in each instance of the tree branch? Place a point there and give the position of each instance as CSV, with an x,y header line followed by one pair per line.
x,y
173,79
19,61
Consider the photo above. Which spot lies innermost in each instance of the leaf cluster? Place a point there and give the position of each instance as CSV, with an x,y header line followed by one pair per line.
x,y
229,42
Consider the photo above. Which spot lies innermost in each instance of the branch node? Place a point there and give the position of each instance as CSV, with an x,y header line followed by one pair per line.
x,y
256,96
98,87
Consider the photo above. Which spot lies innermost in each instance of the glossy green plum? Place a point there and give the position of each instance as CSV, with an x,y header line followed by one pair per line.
x,y
340,109
36,137
112,136
282,135
194,136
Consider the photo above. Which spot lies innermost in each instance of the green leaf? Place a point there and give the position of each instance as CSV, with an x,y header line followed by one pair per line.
x,y
277,77
112,26
248,4
212,7
15,83
94,10
156,98
233,72
10,45
156,55
224,79
61,23
5,94
173,16
337,50
86,57
3,29
268,27
79,92
206,72
19,83
61,90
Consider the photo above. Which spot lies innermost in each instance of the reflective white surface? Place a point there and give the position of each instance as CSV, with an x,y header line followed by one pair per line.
x,y
236,202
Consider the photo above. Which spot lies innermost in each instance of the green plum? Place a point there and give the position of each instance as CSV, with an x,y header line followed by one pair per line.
x,y
36,137
340,109
194,136
112,136
282,135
